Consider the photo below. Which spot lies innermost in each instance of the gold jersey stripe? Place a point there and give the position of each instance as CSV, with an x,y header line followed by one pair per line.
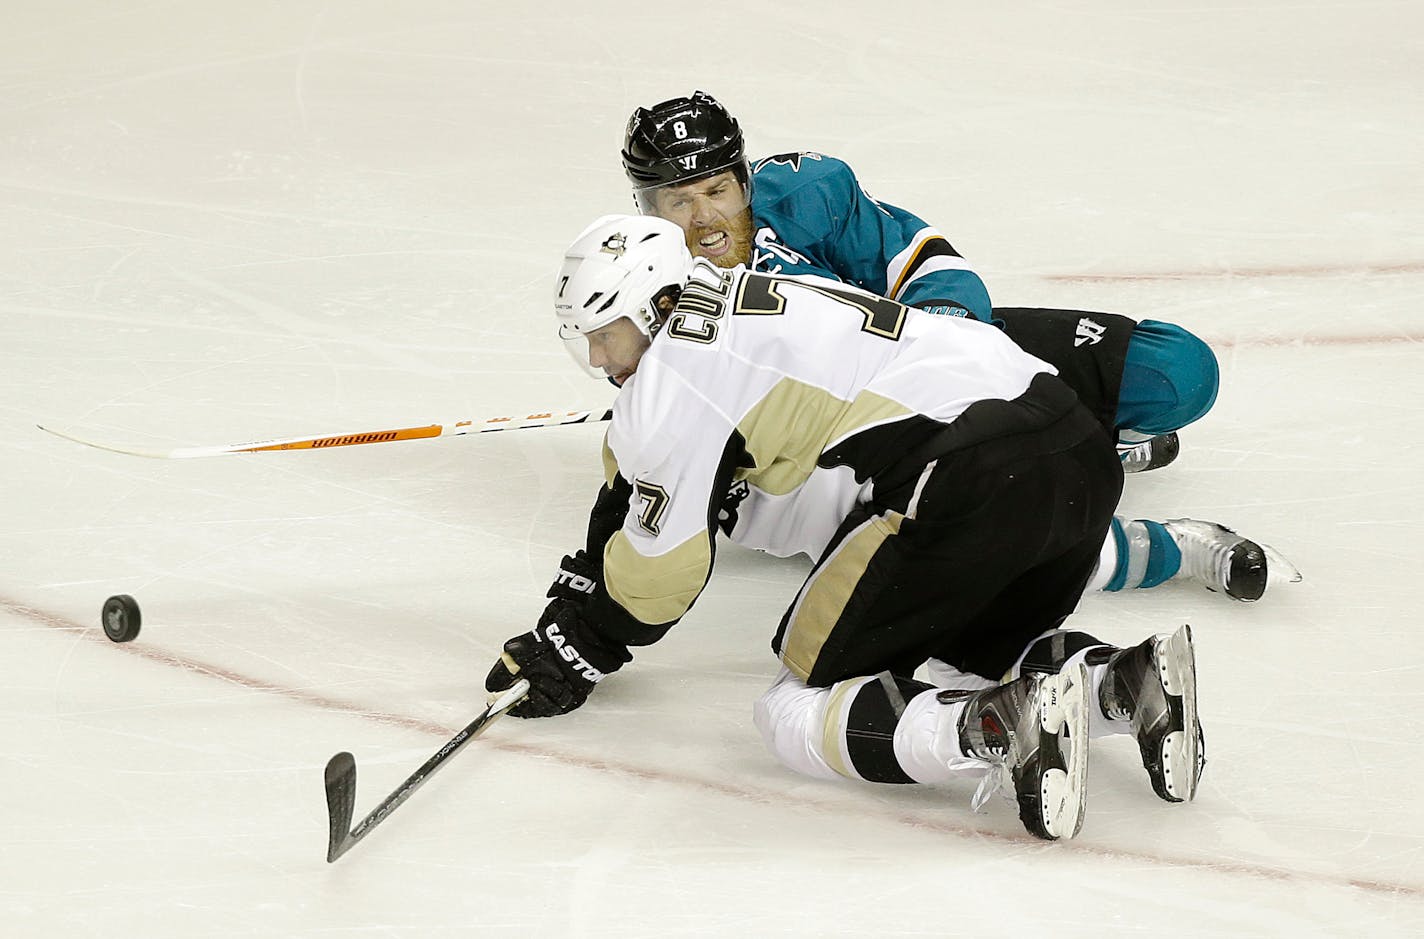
x,y
787,431
661,588
830,588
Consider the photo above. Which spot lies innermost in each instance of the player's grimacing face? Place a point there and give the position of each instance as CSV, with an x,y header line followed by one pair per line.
x,y
714,215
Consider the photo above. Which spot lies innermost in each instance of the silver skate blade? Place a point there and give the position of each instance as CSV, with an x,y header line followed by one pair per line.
x,y
1063,792
1279,569
1180,753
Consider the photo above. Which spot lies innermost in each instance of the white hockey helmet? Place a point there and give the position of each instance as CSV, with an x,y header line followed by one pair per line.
x,y
621,266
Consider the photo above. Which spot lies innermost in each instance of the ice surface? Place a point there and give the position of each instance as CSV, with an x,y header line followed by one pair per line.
x,y
230,222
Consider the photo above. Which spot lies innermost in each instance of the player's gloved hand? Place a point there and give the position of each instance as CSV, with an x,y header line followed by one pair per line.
x,y
563,656
577,578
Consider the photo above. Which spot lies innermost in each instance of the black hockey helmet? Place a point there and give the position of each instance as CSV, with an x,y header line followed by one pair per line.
x,y
682,140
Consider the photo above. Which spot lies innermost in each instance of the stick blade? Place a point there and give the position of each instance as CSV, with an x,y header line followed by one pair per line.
x,y
340,803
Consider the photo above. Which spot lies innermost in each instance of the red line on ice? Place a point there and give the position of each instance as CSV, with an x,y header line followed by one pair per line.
x,y
744,793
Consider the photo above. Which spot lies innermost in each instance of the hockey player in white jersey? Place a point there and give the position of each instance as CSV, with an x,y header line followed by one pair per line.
x,y
952,491
806,213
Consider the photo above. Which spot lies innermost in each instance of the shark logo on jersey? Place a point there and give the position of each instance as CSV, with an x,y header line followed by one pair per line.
x,y
615,245
1089,332
792,160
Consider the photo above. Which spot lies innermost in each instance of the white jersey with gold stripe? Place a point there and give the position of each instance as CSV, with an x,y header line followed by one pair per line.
x,y
778,400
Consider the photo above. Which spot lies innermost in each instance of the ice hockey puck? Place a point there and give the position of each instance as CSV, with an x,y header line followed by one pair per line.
x,y
121,618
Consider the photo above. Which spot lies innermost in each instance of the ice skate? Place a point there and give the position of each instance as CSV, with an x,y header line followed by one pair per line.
x,y
1152,453
1154,685
1035,731
1223,561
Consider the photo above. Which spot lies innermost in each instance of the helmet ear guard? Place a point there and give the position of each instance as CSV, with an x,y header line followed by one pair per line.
x,y
682,140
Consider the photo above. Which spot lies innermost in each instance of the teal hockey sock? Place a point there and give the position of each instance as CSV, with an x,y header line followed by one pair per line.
x,y
1146,554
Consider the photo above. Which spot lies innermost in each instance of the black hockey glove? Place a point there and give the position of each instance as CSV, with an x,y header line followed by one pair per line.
x,y
563,657
578,576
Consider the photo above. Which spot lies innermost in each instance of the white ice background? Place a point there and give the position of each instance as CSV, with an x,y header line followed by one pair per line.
x,y
223,222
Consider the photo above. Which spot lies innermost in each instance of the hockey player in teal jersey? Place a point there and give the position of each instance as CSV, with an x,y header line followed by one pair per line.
x,y
806,213
809,215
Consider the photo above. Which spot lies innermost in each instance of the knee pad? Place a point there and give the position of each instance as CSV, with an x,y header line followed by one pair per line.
x,y
874,728
1169,380
791,717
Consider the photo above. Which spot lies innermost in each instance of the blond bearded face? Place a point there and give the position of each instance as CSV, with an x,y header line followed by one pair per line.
x,y
714,216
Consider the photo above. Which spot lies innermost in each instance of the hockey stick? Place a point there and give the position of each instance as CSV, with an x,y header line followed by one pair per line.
x,y
326,441
341,777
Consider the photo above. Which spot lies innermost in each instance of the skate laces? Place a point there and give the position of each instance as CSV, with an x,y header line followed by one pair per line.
x,y
998,779
1127,684
1206,550
1117,711
1152,453
1000,741
1135,456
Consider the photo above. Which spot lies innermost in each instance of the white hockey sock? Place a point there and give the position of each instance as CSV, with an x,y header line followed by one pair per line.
x,y
863,728
1107,564
1099,724
927,741
1049,652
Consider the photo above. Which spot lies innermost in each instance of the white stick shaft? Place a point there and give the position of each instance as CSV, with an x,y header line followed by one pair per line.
x,y
356,438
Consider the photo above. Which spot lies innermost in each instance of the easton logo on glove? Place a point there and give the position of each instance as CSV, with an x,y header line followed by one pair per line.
x,y
575,581
569,653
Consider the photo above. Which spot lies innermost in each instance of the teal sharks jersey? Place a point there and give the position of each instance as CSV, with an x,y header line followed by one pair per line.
x,y
811,216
